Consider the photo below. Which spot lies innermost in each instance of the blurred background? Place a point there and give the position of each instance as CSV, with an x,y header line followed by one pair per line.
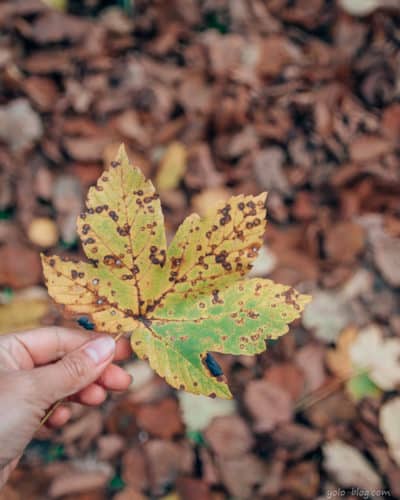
x,y
212,98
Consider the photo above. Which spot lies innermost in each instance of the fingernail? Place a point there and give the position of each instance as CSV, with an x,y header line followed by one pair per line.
x,y
100,349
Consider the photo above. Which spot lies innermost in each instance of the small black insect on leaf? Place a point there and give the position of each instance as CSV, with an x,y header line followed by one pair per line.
x,y
85,323
213,366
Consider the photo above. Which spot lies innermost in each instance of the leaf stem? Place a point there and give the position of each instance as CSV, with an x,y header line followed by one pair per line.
x,y
50,412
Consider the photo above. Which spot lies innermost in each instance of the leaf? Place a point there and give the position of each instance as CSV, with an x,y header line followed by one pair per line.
x,y
358,383
338,359
389,419
328,314
58,4
349,467
361,386
22,314
379,357
172,167
177,303
366,7
199,411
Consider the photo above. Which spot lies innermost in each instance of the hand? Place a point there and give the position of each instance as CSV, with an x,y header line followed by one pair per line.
x,y
39,368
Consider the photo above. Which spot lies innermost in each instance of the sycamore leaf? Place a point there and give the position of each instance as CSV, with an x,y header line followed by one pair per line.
x,y
177,303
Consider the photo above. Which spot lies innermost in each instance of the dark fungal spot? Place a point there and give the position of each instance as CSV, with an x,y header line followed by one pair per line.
x,y
110,260
74,274
85,228
52,262
85,323
289,295
81,275
212,395
213,366
253,314
113,215
225,220
126,277
115,164
216,299
124,231
99,209
175,262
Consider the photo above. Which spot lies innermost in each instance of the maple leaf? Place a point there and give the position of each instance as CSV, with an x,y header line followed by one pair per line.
x,y
177,303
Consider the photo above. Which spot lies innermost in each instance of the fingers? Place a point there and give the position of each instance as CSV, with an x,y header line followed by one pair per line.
x,y
45,345
60,416
75,371
92,395
114,378
123,350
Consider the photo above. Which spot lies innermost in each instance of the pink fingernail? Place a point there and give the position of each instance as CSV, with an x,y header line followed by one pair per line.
x,y
100,349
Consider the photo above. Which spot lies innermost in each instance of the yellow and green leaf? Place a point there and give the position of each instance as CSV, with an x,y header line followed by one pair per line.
x,y
177,303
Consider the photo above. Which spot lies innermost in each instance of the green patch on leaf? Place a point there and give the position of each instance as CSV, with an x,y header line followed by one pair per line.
x,y
361,386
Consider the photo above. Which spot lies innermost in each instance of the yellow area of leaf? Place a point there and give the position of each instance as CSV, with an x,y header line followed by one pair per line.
x,y
172,167
178,303
22,314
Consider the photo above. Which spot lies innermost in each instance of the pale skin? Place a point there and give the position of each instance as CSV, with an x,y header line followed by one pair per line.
x,y
41,367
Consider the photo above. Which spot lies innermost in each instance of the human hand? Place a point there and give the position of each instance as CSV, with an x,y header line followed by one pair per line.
x,y
39,368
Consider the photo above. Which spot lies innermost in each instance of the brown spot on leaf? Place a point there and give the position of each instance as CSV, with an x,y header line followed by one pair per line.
x,y
113,215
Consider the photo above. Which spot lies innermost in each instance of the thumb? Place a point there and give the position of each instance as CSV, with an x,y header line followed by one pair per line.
x,y
73,372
